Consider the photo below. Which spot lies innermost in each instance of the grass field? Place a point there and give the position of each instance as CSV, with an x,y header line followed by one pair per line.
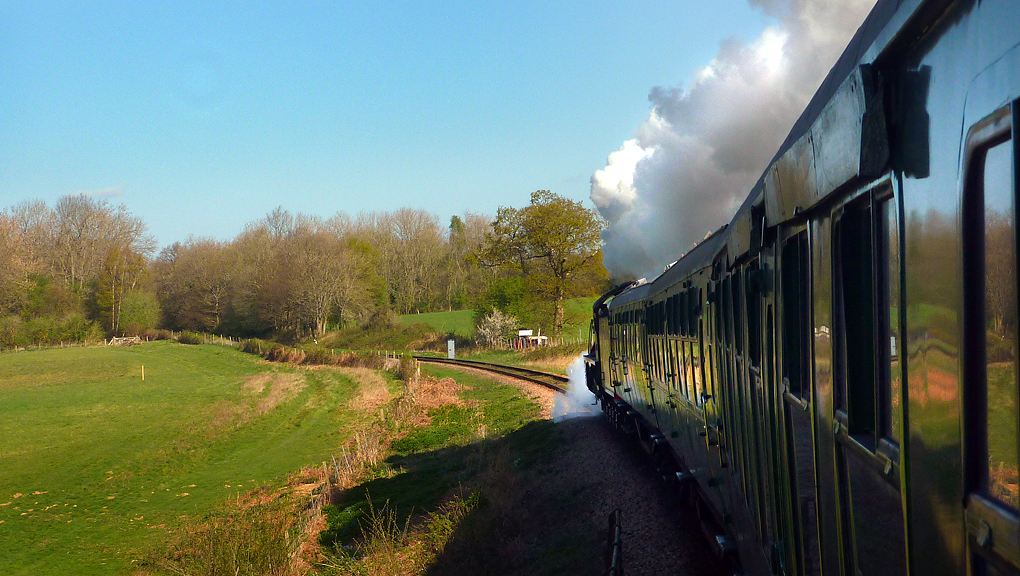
x,y
97,467
462,323
459,322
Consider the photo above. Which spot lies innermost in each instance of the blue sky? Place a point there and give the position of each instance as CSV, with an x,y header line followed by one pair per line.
x,y
203,116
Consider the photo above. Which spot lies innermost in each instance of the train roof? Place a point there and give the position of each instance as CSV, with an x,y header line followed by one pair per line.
x,y
632,294
876,21
699,257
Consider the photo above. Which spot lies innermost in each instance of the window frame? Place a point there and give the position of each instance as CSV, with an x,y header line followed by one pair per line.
x,y
993,528
798,395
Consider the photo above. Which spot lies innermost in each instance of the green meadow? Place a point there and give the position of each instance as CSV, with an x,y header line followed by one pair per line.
x,y
462,322
98,468
459,322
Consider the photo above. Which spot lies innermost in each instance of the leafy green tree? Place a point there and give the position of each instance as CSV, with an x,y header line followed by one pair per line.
x,y
139,311
551,242
122,269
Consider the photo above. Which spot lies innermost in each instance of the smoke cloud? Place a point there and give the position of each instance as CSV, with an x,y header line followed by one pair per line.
x,y
577,400
694,159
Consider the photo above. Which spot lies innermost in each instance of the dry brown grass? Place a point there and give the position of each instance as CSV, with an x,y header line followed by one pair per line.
x,y
430,392
256,383
389,548
373,393
360,454
263,532
285,387
556,364
406,413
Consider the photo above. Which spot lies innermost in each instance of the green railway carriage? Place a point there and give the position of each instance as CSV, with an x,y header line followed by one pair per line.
x,y
832,376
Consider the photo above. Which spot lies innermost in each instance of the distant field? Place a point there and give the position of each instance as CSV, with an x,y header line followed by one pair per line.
x,y
97,466
462,323
459,322
578,312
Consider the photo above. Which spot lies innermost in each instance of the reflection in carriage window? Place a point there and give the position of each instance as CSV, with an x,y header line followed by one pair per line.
x,y
893,419
1000,324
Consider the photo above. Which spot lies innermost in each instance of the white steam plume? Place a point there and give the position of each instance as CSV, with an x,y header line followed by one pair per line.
x,y
693,161
577,400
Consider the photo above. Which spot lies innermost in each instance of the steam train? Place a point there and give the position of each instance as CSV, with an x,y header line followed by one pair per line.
x,y
832,376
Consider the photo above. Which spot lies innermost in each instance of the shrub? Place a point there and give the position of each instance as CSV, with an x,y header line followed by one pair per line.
x,y
278,353
78,329
10,327
407,368
320,356
190,338
156,334
495,328
362,360
281,353
254,346
41,330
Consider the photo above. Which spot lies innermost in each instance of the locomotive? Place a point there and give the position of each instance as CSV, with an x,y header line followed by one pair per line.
x,y
832,376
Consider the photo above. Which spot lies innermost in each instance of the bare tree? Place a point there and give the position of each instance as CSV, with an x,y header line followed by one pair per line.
x,y
329,277
85,230
13,270
195,283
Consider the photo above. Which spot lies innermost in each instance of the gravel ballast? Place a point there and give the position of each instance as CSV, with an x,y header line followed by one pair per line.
x,y
610,471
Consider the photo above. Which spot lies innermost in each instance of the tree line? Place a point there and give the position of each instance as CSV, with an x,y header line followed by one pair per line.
x,y
84,268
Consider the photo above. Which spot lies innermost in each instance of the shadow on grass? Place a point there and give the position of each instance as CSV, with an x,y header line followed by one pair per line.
x,y
522,520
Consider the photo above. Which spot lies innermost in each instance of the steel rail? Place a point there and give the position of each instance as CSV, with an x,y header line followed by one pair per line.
x,y
559,381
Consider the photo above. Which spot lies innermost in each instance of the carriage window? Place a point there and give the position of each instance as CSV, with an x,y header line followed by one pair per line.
x,y
795,285
738,323
1000,324
694,321
856,283
685,312
753,320
669,315
674,328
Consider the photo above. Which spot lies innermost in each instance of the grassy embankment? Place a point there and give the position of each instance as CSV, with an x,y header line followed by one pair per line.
x,y
469,493
98,468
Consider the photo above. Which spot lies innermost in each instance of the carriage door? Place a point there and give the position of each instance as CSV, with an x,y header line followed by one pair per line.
x,y
794,317
990,359
865,262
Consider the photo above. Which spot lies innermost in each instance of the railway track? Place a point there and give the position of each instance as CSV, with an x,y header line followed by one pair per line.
x,y
556,382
